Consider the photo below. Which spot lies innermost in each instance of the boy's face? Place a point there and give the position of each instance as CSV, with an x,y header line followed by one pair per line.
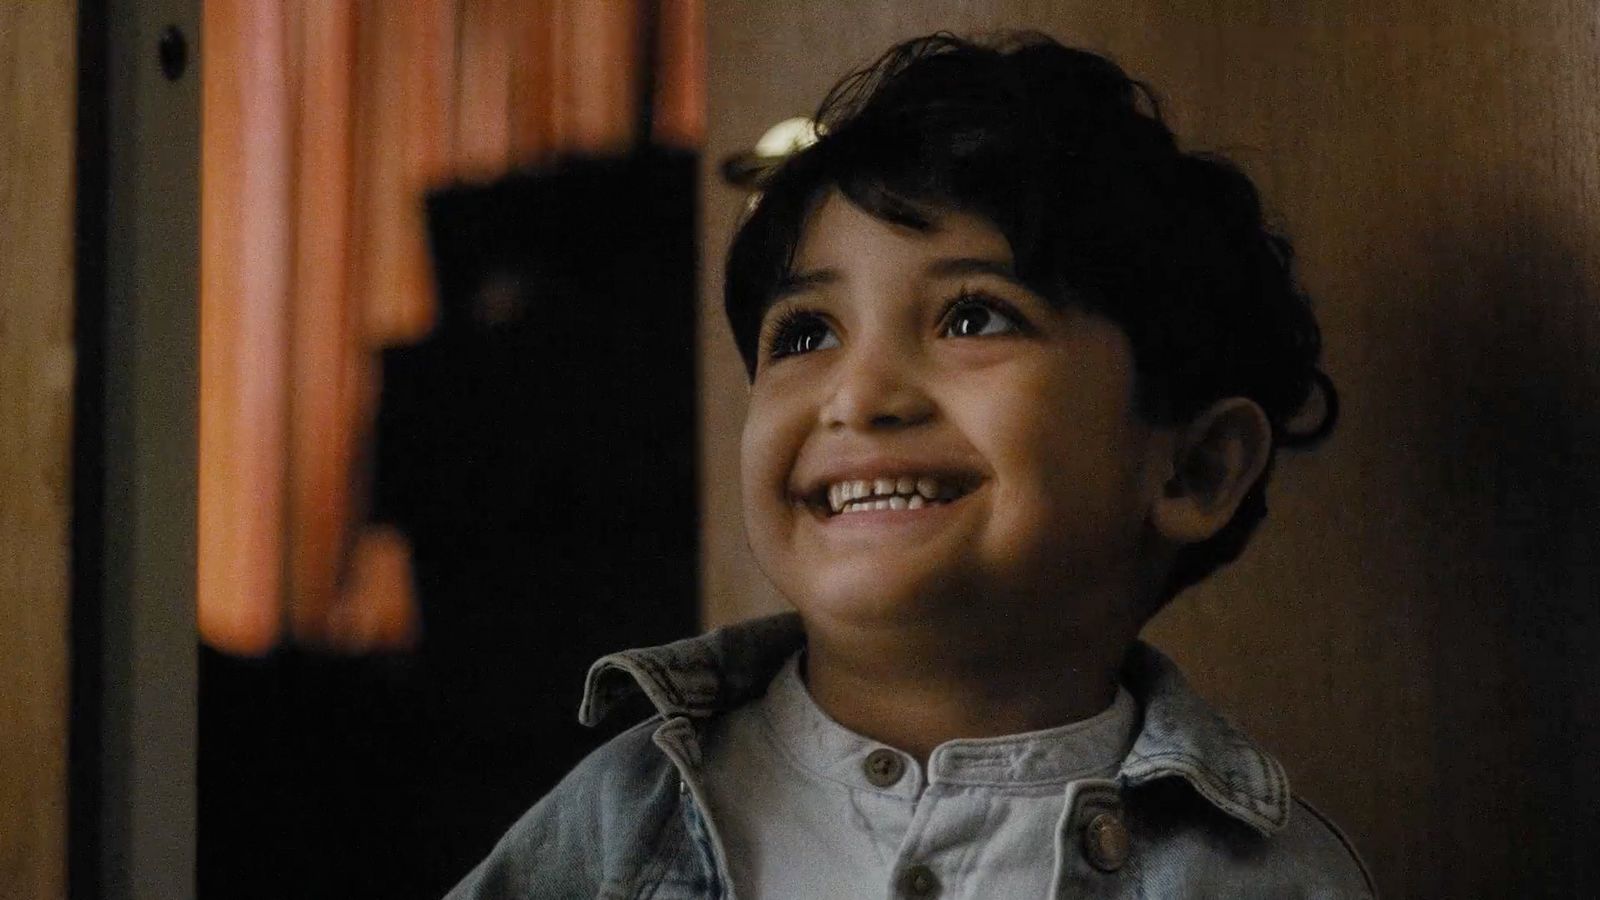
x,y
913,363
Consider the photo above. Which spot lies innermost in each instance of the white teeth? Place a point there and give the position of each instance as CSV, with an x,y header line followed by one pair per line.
x,y
898,493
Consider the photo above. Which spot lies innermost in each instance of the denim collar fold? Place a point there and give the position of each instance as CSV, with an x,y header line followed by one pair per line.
x,y
1181,736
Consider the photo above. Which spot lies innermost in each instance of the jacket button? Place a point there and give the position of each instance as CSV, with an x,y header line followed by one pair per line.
x,y
1106,842
920,882
884,767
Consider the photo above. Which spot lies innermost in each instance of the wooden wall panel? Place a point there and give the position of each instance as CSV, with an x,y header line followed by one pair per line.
x,y
37,93
1415,630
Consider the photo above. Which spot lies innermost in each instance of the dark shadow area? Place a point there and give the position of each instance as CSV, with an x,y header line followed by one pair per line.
x,y
1537,392
538,451
1506,348
85,802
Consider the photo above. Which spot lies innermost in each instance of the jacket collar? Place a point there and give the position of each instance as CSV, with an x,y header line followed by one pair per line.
x,y
1180,737
1183,736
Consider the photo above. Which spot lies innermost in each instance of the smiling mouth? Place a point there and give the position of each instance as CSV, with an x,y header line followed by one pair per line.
x,y
889,492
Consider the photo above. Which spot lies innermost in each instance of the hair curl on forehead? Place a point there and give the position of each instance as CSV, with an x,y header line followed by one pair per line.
x,y
1071,161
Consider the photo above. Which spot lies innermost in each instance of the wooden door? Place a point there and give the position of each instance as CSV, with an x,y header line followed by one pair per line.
x,y
37,88
1415,629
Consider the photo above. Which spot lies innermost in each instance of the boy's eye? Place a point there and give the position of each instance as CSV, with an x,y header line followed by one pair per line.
x,y
974,316
799,332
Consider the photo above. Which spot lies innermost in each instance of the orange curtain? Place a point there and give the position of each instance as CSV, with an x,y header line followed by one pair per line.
x,y
323,124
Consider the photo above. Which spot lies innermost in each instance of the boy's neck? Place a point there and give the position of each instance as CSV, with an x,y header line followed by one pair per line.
x,y
917,691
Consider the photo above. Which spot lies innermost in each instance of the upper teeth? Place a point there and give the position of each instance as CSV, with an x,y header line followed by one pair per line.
x,y
901,492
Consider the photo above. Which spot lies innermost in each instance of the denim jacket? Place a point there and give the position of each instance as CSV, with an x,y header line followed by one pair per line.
x,y
1197,809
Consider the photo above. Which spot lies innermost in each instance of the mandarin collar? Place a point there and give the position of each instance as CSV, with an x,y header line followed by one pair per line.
x,y
814,741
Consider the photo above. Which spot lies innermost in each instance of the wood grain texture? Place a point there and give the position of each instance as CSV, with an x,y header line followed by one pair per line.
x,y
38,95
1414,630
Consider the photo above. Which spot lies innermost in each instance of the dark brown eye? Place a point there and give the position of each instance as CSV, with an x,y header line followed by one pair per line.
x,y
800,332
974,317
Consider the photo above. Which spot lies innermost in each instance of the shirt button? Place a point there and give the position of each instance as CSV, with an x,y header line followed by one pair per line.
x,y
919,881
1106,842
884,767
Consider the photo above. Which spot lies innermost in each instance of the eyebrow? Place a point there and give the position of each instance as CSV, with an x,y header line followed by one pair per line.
x,y
944,267
800,282
956,266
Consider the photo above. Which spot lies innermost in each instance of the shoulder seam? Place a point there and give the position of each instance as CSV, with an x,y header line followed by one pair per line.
x,y
1344,840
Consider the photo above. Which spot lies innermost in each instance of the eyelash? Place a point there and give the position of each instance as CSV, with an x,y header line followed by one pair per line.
x,y
788,321
978,299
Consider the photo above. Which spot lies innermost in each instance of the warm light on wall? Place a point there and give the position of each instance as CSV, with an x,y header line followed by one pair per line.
x,y
322,126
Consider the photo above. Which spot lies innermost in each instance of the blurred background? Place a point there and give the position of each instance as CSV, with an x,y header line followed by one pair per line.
x,y
446,448
364,377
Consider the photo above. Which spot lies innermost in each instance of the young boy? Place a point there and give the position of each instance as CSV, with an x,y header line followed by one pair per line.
x,y
1019,367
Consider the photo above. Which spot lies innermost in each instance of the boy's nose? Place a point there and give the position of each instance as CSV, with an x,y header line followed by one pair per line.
x,y
874,390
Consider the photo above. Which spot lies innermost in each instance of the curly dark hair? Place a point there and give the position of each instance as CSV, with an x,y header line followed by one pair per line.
x,y
1071,161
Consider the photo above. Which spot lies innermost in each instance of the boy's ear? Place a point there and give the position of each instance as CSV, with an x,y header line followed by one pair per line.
x,y
1215,460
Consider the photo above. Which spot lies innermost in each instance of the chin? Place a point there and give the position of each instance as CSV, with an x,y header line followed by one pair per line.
x,y
867,598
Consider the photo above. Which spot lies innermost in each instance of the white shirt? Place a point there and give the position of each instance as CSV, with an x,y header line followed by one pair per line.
x,y
800,816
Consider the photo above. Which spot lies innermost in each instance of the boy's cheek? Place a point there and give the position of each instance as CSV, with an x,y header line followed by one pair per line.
x,y
766,457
